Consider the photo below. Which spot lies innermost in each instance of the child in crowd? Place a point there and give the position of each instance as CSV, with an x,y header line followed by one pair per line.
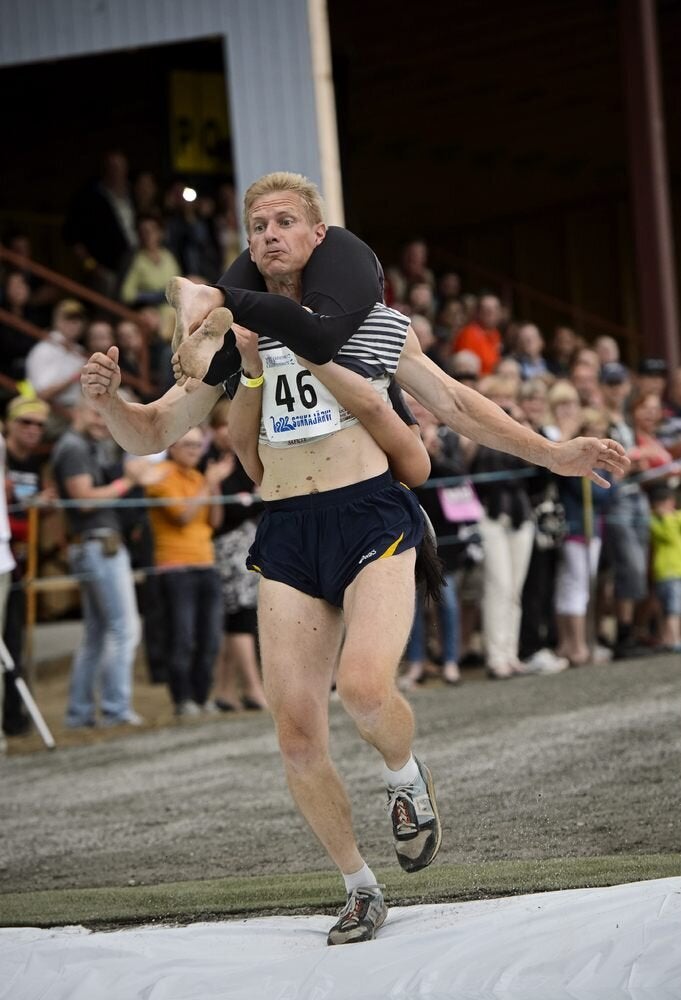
x,y
665,537
585,503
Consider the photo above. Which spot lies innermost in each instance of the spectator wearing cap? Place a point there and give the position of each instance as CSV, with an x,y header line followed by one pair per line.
x,y
53,366
25,482
482,336
651,377
626,536
665,535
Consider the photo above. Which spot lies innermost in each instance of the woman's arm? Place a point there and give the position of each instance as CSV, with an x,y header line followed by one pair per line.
x,y
407,455
246,407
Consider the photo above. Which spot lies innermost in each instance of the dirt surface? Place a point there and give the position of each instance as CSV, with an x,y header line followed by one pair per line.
x,y
583,763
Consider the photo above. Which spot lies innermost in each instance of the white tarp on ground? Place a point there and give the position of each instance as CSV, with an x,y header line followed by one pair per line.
x,y
623,941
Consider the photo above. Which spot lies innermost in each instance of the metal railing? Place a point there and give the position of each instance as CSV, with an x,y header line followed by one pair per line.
x,y
82,292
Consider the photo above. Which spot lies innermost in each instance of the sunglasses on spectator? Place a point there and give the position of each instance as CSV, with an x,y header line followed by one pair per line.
x,y
465,376
29,422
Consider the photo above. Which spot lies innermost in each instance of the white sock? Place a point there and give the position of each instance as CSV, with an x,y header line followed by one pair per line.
x,y
404,776
364,877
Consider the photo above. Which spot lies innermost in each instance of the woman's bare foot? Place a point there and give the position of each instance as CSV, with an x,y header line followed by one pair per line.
x,y
194,355
192,304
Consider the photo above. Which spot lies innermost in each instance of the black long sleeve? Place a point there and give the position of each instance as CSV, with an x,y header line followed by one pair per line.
x,y
342,282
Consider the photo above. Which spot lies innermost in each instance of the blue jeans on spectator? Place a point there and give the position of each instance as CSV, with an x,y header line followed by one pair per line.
x,y
194,607
448,612
627,535
106,654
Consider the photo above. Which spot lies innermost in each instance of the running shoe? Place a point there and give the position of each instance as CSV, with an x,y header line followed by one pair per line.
x,y
417,832
360,918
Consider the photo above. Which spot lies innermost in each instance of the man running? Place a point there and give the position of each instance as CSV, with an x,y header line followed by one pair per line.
x,y
336,549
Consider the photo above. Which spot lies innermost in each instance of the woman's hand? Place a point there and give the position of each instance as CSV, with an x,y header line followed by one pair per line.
x,y
247,345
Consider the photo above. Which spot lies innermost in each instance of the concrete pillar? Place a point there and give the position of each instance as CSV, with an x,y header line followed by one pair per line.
x,y
658,300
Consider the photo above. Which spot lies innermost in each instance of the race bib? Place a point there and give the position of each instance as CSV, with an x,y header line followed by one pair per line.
x,y
295,405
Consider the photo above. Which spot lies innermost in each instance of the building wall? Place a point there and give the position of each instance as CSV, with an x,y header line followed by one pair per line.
x,y
267,55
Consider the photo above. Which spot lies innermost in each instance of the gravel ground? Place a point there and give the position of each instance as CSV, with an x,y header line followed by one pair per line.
x,y
583,763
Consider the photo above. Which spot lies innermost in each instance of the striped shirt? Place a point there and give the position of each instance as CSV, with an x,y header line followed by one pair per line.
x,y
373,352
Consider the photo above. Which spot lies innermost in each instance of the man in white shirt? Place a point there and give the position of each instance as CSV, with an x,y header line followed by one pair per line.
x,y
53,366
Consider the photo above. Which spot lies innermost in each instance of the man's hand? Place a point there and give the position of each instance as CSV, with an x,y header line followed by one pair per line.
x,y
582,456
101,376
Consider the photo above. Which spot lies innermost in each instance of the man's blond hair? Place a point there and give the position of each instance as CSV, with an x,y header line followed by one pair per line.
x,y
283,181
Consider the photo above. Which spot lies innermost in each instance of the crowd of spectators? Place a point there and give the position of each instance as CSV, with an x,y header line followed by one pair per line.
x,y
551,572
126,238
541,572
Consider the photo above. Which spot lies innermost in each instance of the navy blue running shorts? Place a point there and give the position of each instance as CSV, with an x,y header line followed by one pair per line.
x,y
319,542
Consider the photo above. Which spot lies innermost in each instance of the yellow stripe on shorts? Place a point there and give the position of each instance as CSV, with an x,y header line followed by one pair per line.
x,y
390,551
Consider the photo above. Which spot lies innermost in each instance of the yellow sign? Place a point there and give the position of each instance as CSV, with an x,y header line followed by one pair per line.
x,y
199,123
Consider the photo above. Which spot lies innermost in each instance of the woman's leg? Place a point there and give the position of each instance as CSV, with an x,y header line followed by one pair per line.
x,y
226,689
497,587
207,632
521,541
449,624
341,284
415,652
180,595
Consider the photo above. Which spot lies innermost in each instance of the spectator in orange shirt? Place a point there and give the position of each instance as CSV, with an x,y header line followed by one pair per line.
x,y
190,584
482,335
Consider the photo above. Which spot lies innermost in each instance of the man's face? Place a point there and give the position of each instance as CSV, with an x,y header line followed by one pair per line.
x,y
25,433
615,393
99,337
650,385
70,325
530,341
92,423
489,312
187,451
585,381
281,237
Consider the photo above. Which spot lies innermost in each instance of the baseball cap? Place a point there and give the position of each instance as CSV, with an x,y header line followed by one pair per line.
x,y
652,366
26,406
613,373
71,307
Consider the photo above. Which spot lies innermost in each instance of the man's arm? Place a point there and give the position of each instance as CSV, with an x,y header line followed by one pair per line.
x,y
145,428
469,413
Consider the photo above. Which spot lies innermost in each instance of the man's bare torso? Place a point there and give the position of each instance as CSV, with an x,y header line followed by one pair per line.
x,y
341,459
